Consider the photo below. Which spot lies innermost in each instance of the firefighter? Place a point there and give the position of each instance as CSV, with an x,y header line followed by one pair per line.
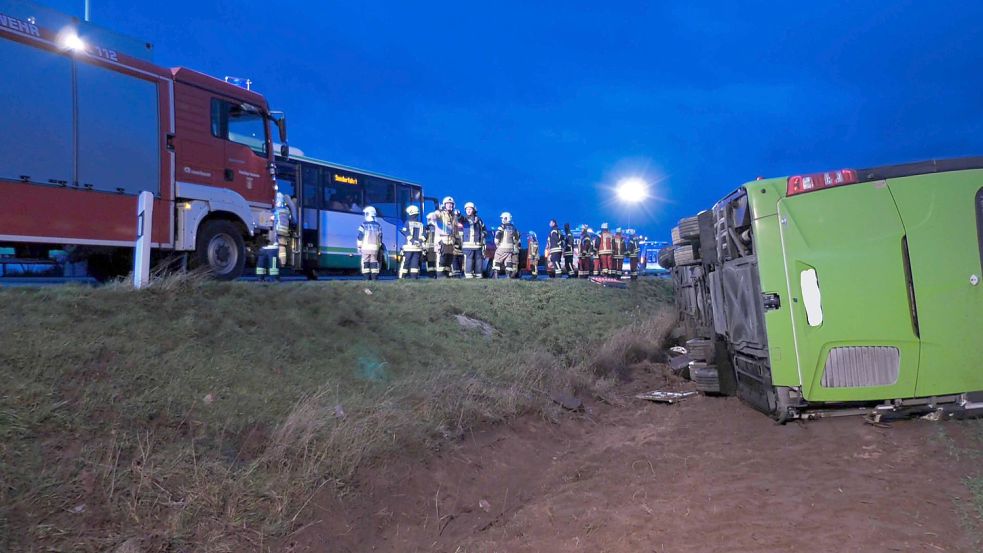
x,y
532,254
506,240
585,260
618,248
595,257
446,238
416,237
605,249
634,253
430,245
473,239
554,249
268,264
369,244
568,246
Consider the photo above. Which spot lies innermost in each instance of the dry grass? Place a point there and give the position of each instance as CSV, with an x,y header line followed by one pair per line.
x,y
203,416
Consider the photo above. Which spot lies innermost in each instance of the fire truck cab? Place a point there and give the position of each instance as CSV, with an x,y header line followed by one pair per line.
x,y
90,122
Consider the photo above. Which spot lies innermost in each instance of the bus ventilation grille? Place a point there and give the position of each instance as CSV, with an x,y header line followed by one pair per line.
x,y
860,366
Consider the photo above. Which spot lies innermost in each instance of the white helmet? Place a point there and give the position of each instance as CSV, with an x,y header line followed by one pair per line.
x,y
604,226
617,230
506,217
447,200
532,234
412,210
471,205
369,213
631,232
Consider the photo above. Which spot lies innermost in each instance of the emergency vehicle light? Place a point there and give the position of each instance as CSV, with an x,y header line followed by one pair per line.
x,y
72,42
801,184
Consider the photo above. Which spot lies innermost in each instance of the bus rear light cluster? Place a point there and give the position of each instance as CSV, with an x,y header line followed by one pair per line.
x,y
801,184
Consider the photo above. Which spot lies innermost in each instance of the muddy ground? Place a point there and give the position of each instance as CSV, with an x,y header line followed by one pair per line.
x,y
707,475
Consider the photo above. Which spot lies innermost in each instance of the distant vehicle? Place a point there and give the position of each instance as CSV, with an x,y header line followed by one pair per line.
x,y
330,199
90,122
850,287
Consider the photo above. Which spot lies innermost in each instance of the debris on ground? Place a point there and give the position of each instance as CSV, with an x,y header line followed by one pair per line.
x,y
660,396
609,282
467,322
368,292
566,400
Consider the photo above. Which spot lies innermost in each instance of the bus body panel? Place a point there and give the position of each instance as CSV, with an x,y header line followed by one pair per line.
x,y
338,235
940,218
330,198
771,271
851,237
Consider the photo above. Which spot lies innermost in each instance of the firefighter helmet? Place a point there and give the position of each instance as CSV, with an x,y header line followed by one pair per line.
x,y
506,217
617,230
369,213
532,234
604,226
412,210
447,200
630,231
471,205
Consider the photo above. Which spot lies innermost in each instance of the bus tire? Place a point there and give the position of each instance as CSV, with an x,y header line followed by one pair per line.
x,y
684,255
689,228
677,239
220,249
666,259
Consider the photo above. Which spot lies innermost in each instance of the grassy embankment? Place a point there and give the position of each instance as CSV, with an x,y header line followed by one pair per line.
x,y
205,416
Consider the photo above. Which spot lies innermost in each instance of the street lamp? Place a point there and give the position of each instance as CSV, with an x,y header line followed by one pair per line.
x,y
631,191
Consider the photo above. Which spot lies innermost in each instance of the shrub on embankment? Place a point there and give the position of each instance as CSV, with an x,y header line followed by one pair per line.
x,y
205,416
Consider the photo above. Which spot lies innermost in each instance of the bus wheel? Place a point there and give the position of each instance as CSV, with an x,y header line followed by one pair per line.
x,y
221,250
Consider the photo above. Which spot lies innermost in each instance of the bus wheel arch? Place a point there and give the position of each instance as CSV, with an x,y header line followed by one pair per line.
x,y
220,245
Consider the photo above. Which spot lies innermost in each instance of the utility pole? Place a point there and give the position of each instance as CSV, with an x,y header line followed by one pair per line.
x,y
87,10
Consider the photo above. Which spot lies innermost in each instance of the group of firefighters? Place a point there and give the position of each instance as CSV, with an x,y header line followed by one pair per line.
x,y
453,244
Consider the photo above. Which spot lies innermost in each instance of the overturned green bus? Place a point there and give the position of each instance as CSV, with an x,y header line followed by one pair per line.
x,y
850,288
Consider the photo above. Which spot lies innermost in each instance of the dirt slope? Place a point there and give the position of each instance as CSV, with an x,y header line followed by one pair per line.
x,y
705,475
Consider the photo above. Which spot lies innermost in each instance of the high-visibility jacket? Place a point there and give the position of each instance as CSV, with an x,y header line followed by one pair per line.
x,y
369,236
568,243
586,245
633,247
416,236
606,246
554,242
596,248
618,246
431,235
473,232
532,257
507,236
446,227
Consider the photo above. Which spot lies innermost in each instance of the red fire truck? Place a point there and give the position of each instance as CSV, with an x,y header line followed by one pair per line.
x,y
89,122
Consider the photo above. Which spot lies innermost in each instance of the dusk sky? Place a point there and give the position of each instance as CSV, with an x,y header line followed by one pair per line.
x,y
540,109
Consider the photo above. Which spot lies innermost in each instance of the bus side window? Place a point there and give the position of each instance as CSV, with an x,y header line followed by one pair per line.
x,y
309,177
381,194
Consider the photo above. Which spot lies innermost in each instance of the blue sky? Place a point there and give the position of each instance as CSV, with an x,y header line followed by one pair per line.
x,y
539,108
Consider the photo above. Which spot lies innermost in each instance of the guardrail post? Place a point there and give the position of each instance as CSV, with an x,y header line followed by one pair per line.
x,y
141,256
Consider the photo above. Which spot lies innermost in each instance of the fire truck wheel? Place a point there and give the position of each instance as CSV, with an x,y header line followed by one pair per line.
x,y
221,249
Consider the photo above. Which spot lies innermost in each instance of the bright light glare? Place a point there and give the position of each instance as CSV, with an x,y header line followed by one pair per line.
x,y
633,190
73,42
